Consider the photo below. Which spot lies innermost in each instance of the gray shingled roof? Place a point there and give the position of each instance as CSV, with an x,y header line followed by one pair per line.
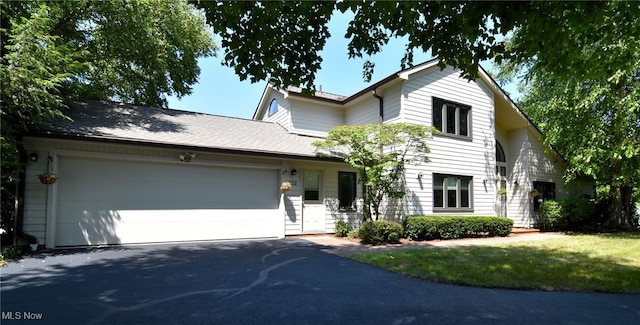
x,y
105,120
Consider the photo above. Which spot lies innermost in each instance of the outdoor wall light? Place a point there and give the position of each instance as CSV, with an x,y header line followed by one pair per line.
x,y
515,183
420,175
294,172
187,156
33,156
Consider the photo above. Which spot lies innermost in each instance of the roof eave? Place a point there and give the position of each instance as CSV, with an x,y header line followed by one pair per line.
x,y
530,125
177,146
402,74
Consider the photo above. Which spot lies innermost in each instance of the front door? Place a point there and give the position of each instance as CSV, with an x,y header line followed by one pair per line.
x,y
313,214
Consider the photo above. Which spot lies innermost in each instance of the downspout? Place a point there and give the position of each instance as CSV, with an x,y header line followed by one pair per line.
x,y
381,109
22,154
380,120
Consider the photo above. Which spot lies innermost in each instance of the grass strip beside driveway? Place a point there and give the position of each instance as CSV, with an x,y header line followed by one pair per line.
x,y
601,262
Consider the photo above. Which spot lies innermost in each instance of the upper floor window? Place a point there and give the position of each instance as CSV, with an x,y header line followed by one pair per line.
x,y
452,193
451,118
501,161
273,107
346,190
500,153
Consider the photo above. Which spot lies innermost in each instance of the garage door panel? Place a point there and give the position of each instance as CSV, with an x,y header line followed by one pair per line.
x,y
199,198
112,202
174,195
96,206
162,226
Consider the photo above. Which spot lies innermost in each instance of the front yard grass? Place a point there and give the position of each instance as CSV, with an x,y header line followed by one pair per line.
x,y
601,262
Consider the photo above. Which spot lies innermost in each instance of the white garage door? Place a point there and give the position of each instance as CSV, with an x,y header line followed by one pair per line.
x,y
102,201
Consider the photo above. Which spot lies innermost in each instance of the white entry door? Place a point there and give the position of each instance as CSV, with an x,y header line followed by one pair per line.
x,y
313,214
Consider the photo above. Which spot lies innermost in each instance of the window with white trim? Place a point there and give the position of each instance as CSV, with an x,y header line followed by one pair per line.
x,y
452,193
452,118
273,107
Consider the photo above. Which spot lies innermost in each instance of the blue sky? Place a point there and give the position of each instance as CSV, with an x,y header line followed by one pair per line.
x,y
220,91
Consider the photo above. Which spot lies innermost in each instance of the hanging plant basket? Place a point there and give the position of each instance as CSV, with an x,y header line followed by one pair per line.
x,y
534,193
502,192
48,178
285,187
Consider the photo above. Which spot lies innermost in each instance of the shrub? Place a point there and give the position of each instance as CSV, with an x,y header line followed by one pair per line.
x,y
580,213
451,227
10,252
342,228
571,214
551,215
420,228
380,232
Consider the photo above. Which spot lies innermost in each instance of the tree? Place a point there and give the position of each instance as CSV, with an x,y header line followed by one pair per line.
x,y
592,116
50,51
379,152
595,125
280,40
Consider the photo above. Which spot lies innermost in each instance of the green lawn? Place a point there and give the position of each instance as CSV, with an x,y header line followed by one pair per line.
x,y
602,262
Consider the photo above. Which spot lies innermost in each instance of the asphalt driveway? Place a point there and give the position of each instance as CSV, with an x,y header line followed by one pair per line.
x,y
289,281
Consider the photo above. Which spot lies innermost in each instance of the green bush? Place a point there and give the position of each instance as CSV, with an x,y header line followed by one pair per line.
x,y
342,228
580,213
420,228
352,234
451,227
552,216
10,252
380,232
571,214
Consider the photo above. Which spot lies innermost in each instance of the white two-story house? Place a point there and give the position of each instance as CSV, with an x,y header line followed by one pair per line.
x,y
128,174
487,158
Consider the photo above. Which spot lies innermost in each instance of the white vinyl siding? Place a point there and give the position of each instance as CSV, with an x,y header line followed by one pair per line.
x,y
362,112
519,205
293,208
528,162
35,209
392,103
315,120
474,157
282,116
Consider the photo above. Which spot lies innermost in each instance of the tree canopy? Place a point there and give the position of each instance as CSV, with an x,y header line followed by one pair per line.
x,y
379,152
595,124
280,40
591,115
137,51
133,51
